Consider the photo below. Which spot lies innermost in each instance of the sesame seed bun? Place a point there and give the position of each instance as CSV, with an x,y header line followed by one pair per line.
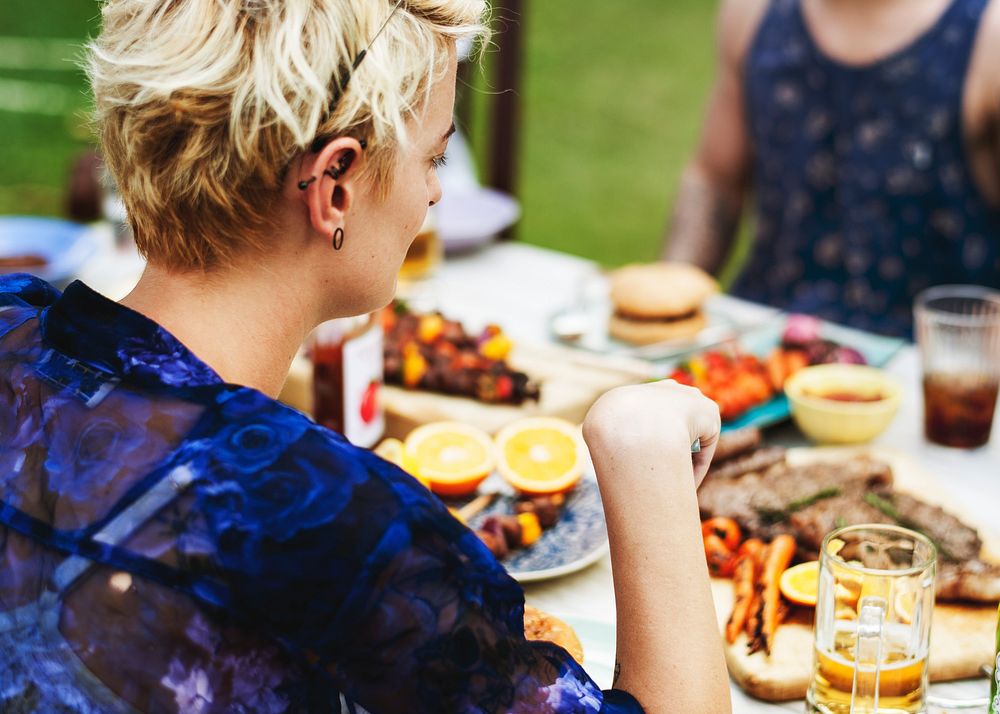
x,y
657,290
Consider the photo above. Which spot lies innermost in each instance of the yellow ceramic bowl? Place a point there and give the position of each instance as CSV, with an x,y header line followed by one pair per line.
x,y
829,420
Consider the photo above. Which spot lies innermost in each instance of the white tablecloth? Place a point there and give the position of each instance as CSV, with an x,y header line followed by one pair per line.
x,y
521,286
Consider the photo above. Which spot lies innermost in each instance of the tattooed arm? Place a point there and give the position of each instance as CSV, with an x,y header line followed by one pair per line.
x,y
709,204
669,649
706,216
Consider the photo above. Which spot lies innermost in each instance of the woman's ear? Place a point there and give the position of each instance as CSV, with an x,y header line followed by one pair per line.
x,y
328,182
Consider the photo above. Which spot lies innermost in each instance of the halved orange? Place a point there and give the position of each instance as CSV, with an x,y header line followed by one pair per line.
x,y
452,457
800,583
540,455
392,451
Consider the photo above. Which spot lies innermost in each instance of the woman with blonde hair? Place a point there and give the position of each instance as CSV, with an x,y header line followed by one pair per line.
x,y
172,539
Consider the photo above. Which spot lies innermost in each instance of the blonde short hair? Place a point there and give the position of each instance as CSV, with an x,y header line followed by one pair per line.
x,y
202,104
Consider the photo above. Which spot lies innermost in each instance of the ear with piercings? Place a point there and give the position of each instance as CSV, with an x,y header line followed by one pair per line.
x,y
342,166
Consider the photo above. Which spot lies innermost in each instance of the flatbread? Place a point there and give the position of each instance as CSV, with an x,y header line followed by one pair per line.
x,y
540,625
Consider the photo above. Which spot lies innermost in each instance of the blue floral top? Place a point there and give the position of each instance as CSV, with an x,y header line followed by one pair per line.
x,y
172,543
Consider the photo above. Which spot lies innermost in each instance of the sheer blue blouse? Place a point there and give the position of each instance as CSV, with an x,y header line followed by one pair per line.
x,y
172,543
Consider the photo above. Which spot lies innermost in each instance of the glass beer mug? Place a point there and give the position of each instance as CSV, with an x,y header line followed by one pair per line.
x,y
873,622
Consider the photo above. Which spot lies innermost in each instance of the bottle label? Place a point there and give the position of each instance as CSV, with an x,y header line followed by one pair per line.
x,y
364,419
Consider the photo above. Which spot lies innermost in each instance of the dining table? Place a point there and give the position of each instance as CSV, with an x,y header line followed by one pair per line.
x,y
520,287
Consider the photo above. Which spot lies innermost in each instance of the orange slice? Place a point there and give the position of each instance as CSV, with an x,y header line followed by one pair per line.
x,y
392,451
453,458
905,603
540,455
800,583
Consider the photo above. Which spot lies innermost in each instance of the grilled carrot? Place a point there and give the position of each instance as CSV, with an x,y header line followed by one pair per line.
x,y
720,559
754,547
779,557
744,583
754,621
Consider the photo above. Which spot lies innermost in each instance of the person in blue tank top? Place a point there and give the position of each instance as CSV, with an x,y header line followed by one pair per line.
x,y
867,135
174,539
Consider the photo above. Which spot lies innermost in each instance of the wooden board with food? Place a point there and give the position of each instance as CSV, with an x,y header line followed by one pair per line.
x,y
765,509
437,370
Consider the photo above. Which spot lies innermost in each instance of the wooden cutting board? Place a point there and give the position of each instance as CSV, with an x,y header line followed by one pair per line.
x,y
571,381
962,636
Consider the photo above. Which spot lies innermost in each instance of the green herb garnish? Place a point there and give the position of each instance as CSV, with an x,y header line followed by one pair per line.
x,y
772,516
889,508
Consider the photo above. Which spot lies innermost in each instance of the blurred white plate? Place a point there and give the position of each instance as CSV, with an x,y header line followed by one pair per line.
x,y
598,640
65,246
471,217
586,326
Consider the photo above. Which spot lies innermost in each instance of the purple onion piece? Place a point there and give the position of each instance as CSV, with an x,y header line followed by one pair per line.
x,y
801,330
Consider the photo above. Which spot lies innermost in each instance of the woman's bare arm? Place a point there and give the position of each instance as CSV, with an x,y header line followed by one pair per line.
x,y
669,645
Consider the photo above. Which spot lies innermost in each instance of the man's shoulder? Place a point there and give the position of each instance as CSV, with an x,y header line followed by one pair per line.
x,y
737,25
983,81
989,31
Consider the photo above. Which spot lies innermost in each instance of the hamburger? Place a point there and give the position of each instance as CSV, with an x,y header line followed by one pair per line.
x,y
659,302
540,625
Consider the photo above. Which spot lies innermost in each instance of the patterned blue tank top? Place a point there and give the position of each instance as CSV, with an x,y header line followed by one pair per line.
x,y
863,193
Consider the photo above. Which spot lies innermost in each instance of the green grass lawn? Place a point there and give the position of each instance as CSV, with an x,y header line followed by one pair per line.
x,y
613,96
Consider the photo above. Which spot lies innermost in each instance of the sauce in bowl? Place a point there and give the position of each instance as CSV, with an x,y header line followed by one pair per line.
x,y
843,396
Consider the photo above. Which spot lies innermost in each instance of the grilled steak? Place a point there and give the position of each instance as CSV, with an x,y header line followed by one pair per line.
x,y
811,500
972,580
736,443
760,501
956,541
811,524
757,461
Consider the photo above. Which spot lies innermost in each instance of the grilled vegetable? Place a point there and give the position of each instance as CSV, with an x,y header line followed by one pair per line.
x,y
720,559
744,583
777,558
726,528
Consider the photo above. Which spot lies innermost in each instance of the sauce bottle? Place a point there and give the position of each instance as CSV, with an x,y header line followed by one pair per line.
x,y
347,378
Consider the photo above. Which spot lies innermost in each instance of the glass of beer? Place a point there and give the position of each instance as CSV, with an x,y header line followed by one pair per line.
x,y
958,331
873,622
424,254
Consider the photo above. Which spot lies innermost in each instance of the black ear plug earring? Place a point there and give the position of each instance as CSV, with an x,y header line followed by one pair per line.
x,y
338,239
342,166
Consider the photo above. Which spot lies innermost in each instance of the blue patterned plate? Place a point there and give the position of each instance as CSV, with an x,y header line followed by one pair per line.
x,y
577,540
64,245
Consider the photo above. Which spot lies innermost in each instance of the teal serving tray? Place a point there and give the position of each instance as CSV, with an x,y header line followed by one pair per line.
x,y
878,351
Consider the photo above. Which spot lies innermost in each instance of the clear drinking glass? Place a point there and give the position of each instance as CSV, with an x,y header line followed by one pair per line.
x,y
425,253
958,331
873,622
